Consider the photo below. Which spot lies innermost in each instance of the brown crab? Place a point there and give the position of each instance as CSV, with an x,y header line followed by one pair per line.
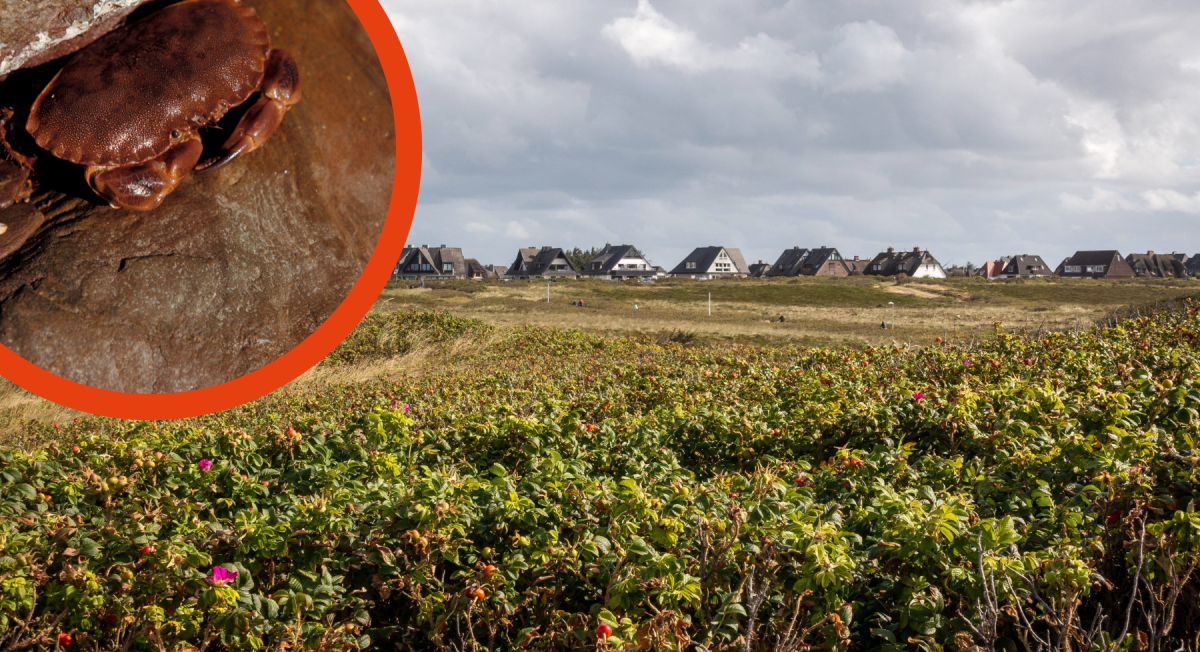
x,y
129,106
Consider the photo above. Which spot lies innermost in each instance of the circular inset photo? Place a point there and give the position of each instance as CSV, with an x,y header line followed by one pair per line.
x,y
189,190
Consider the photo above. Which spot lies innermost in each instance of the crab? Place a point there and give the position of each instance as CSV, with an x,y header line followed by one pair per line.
x,y
129,106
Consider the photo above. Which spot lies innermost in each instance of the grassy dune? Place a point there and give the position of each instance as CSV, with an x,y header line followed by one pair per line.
x,y
817,311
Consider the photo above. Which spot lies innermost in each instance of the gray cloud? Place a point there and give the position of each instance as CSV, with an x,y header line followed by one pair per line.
x,y
974,128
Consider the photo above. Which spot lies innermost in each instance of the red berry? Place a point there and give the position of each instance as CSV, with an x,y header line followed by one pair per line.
x,y
65,639
1113,517
1028,361
489,570
603,631
147,550
480,594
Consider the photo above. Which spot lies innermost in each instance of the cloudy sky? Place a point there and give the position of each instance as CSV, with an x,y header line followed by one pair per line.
x,y
972,128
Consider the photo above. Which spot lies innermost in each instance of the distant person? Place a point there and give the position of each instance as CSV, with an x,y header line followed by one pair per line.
x,y
573,303
781,319
883,325
581,303
635,307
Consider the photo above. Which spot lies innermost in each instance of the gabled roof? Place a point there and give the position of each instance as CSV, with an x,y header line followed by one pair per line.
x,y
788,260
535,261
1103,257
892,262
476,269
606,261
435,257
704,257
1156,265
1026,265
1114,265
857,265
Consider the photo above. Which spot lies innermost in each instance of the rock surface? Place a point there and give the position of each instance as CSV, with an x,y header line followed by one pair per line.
x,y
34,32
236,267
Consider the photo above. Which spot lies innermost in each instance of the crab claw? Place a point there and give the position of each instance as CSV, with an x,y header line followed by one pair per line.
x,y
280,90
144,186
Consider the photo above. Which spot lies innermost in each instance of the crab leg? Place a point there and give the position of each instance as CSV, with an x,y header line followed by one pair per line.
x,y
280,90
14,184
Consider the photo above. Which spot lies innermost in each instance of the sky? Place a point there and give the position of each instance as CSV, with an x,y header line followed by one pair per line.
x,y
973,129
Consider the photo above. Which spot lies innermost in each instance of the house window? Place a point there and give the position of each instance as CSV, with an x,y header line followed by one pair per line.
x,y
414,267
1100,268
876,267
722,255
447,267
426,267
691,265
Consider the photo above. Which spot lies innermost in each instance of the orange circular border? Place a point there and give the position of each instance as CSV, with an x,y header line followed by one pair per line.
x,y
343,320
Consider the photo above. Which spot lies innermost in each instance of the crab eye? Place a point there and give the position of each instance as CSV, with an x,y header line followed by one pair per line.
x,y
174,133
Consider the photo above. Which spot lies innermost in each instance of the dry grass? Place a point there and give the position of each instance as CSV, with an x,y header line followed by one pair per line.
x,y
18,406
825,312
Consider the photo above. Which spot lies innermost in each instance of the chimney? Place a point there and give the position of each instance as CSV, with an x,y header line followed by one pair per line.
x,y
856,258
426,246
916,250
442,246
1150,253
891,250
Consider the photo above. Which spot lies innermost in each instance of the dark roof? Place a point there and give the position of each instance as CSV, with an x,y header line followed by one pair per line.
x,y
857,265
475,269
605,262
1103,257
1114,265
788,260
435,257
1026,265
892,262
535,261
759,269
704,257
1193,264
1156,265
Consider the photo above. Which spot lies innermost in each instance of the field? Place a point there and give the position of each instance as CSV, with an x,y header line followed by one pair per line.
x,y
443,483
816,311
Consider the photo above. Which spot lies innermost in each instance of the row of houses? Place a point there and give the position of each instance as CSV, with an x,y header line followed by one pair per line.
x,y
626,262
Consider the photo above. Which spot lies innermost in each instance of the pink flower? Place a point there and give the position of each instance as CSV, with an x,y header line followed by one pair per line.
x,y
204,465
968,363
221,576
918,396
405,409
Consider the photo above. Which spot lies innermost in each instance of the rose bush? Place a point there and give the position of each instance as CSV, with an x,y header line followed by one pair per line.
x,y
563,490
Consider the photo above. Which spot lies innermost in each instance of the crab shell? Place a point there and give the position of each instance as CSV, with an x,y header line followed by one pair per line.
x,y
132,94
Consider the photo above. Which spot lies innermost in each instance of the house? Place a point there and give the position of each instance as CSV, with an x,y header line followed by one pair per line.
x,y
619,263
542,262
915,263
479,272
856,266
709,262
822,261
1155,265
425,262
1094,264
757,270
1025,266
992,268
498,271
1192,265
